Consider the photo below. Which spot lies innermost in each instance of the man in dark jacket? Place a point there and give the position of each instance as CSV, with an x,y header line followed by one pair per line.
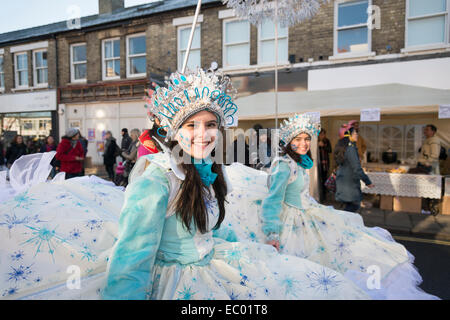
x,y
126,141
110,155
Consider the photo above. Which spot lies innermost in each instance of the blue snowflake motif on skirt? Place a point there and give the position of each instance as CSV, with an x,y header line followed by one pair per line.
x,y
341,247
75,234
186,294
94,224
322,281
17,256
20,273
10,292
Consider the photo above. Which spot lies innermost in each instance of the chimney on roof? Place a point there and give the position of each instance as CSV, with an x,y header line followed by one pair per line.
x,y
109,6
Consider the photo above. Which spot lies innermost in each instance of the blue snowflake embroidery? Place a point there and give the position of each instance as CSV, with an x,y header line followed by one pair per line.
x,y
44,236
75,234
234,296
341,247
322,280
17,256
94,224
186,294
23,201
290,285
20,273
86,253
11,221
10,292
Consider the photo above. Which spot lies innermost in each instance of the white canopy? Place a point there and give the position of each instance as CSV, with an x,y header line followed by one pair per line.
x,y
390,98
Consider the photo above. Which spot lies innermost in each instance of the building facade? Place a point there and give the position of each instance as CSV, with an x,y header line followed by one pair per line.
x,y
393,55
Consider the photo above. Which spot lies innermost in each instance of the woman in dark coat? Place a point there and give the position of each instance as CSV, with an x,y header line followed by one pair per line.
x,y
110,155
15,150
349,172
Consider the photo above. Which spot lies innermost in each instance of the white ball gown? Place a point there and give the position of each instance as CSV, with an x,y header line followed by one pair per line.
x,y
128,246
333,238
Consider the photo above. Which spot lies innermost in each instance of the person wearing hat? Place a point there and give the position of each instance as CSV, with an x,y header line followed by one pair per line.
x,y
70,153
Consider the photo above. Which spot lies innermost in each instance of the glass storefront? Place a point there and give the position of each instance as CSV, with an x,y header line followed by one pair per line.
x,y
34,126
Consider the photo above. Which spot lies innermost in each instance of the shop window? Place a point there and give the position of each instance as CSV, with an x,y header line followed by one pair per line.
x,y
266,43
352,34
236,43
40,68
194,59
21,66
136,56
426,23
78,62
111,59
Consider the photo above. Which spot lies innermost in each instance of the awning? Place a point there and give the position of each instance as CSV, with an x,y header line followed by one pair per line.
x,y
390,98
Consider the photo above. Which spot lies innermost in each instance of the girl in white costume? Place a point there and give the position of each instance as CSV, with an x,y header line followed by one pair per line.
x,y
165,248
287,217
160,244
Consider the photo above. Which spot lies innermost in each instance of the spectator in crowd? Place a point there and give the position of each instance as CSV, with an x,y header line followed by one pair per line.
x,y
126,141
111,152
324,167
32,147
84,143
361,143
70,154
349,172
15,150
50,145
240,151
429,152
131,154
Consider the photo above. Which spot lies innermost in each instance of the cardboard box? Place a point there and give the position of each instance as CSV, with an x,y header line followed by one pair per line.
x,y
407,204
445,205
386,202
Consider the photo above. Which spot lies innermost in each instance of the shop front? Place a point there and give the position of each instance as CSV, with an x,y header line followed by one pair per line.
x,y
32,115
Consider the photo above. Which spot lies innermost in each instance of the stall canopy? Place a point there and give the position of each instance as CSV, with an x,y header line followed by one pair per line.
x,y
390,98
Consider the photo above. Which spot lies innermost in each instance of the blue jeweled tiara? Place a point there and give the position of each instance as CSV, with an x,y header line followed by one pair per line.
x,y
189,93
299,123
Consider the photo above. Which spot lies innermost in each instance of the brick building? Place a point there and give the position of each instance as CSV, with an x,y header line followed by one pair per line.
x,y
334,63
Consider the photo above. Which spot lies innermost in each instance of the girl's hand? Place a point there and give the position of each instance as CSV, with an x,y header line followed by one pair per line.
x,y
275,244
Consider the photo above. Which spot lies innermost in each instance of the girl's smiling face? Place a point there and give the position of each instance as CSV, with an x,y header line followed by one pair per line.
x,y
301,143
197,136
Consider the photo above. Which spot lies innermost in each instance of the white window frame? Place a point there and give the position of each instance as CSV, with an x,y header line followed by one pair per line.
x,y
16,71
272,39
35,69
2,87
225,45
72,63
180,61
445,44
104,59
337,29
137,75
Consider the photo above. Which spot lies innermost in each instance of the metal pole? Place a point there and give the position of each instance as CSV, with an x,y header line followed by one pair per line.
x,y
276,64
194,24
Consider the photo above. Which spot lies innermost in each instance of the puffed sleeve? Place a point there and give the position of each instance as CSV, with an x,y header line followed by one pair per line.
x,y
273,204
353,159
140,229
